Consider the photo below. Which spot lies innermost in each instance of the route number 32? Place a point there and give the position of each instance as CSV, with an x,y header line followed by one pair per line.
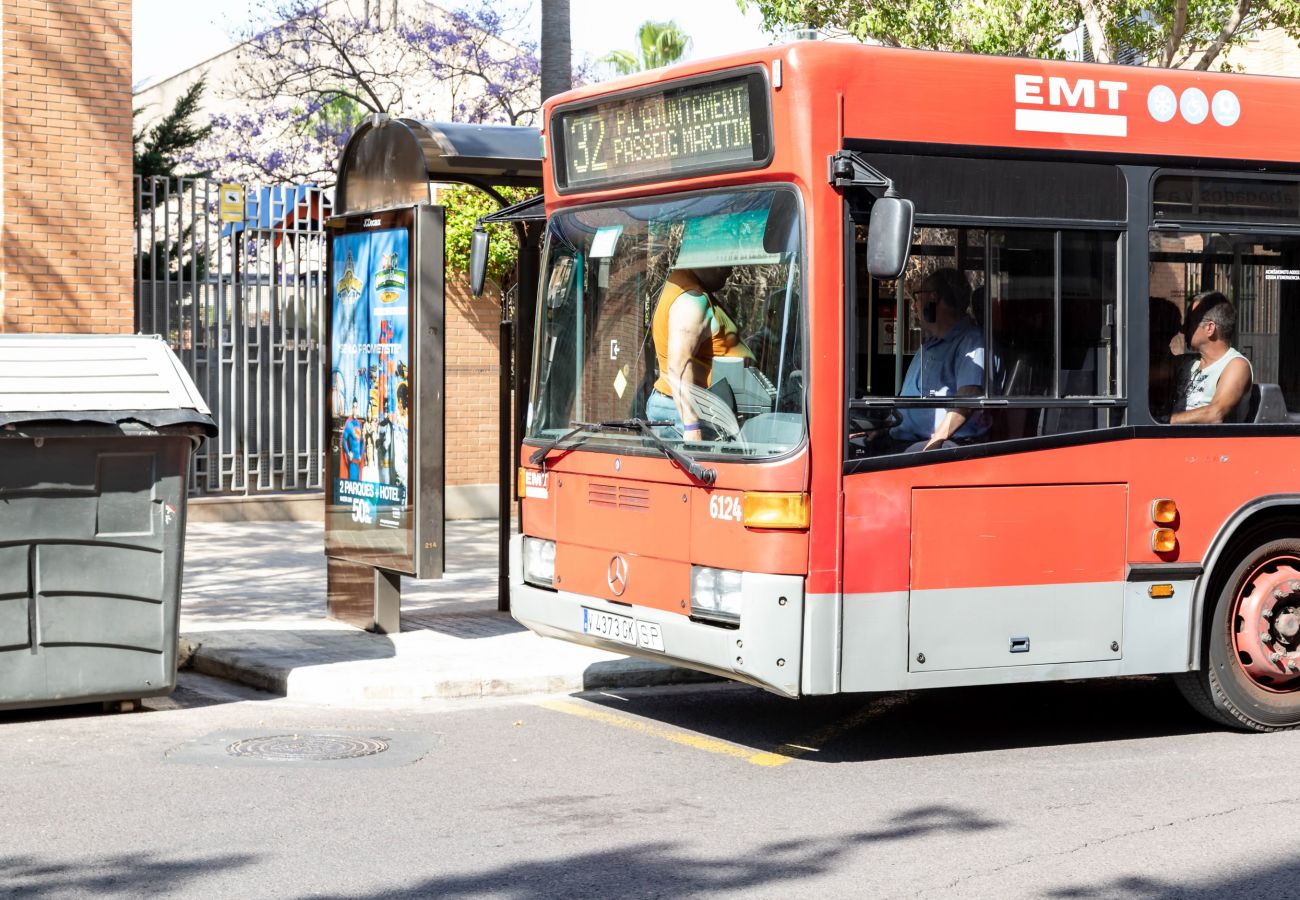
x,y
725,508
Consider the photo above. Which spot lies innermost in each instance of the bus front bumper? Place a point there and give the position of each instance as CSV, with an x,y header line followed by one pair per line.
x,y
765,650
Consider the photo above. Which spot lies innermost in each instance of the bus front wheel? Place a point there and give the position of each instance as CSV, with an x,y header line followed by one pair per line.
x,y
1251,673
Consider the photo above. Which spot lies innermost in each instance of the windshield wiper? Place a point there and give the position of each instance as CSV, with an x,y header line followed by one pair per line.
x,y
702,474
540,453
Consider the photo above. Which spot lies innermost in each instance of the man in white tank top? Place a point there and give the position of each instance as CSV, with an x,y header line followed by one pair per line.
x,y
1217,381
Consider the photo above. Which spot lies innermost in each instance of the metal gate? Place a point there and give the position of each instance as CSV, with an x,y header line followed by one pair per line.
x,y
243,305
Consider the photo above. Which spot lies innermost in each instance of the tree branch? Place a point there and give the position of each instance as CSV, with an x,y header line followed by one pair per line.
x,y
1102,51
1176,33
1225,36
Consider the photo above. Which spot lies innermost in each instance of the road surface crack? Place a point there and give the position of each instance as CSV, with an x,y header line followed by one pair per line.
x,y
1090,844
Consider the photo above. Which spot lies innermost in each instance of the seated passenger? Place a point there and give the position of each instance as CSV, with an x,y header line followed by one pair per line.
x,y
1215,383
1162,380
950,363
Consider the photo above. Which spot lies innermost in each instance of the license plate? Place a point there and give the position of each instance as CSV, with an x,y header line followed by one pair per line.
x,y
624,629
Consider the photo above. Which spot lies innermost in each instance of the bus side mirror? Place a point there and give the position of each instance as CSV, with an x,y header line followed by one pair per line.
x,y
478,259
889,236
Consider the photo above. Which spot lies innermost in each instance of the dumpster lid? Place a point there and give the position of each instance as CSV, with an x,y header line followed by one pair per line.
x,y
106,378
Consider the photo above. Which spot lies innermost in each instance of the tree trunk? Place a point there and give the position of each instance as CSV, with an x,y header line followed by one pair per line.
x,y
557,49
1102,51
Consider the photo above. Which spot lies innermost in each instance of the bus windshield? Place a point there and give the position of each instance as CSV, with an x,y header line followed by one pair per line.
x,y
734,259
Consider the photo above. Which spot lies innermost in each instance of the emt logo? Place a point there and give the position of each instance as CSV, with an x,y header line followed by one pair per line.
x,y
1065,106
535,484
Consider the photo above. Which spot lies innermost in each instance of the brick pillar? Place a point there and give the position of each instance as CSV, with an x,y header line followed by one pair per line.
x,y
65,156
473,379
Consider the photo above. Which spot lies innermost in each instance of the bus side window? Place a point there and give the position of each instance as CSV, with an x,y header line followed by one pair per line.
x,y
1045,302
1256,272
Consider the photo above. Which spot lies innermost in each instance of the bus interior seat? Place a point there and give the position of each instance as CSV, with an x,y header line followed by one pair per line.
x,y
714,411
1248,406
722,390
1080,382
773,428
1262,403
1015,382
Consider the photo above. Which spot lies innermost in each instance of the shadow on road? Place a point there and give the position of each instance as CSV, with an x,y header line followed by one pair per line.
x,y
128,875
848,728
1276,881
671,869
47,713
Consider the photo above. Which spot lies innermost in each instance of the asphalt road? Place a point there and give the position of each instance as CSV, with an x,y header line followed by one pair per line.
x,y
1105,789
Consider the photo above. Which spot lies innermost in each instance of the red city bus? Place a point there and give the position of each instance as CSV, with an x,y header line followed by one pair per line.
x,y
816,533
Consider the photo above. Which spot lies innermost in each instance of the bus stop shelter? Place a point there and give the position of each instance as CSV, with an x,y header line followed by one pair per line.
x,y
393,162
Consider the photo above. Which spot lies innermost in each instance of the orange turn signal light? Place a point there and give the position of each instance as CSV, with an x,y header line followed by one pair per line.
x,y
766,509
1160,591
1164,540
521,485
1164,512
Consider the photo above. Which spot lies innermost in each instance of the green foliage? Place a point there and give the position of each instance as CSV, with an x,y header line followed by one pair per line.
x,y
334,114
157,153
159,150
465,205
624,62
1007,27
1170,33
660,44
1181,33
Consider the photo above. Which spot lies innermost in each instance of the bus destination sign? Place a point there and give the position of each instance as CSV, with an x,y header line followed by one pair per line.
x,y
712,126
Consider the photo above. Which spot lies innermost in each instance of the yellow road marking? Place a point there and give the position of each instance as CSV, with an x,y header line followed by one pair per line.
x,y
698,742
783,754
812,743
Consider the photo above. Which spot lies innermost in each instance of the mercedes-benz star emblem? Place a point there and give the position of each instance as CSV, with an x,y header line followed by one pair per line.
x,y
617,576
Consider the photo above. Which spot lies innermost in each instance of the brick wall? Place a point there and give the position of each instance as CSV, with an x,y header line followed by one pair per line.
x,y
65,151
473,329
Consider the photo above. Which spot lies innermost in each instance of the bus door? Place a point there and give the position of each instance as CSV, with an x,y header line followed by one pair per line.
x,y
1016,575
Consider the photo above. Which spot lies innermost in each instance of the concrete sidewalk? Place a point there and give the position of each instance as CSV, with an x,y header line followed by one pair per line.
x,y
253,611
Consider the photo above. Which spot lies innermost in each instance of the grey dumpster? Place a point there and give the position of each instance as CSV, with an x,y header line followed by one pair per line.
x,y
96,435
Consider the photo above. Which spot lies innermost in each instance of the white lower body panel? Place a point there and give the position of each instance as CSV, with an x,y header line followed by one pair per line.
x,y
880,653
765,650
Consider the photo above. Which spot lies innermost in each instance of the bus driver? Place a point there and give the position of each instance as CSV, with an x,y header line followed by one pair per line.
x,y
950,364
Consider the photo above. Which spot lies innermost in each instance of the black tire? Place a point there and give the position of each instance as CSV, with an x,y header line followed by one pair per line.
x,y
1222,689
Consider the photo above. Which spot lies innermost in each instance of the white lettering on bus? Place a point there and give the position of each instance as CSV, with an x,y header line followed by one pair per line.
x,y
1113,89
1084,93
1067,97
1061,92
535,485
1029,88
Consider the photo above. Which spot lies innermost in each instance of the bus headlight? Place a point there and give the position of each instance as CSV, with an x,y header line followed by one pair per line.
x,y
539,562
715,594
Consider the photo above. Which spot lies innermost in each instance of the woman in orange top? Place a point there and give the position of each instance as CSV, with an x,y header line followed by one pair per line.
x,y
689,329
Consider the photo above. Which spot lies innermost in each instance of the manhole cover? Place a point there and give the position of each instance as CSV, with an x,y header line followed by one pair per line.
x,y
308,747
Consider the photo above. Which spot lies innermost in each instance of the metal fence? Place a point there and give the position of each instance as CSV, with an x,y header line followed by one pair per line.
x,y
243,305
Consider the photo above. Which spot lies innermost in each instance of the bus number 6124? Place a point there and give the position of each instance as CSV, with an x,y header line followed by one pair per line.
x,y
725,508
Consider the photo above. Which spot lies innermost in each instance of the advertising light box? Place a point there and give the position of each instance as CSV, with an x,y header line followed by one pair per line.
x,y
385,379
